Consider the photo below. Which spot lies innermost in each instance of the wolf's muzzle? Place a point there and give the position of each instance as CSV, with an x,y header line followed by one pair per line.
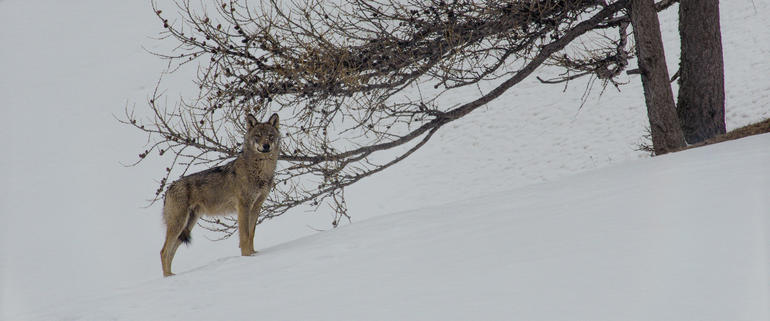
x,y
265,148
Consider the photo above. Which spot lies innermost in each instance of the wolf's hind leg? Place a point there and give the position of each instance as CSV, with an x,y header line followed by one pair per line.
x,y
176,224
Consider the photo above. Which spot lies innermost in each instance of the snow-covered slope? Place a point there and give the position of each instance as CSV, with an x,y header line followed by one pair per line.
x,y
73,224
680,237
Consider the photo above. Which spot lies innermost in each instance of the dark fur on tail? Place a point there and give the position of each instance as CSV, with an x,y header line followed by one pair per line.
x,y
185,237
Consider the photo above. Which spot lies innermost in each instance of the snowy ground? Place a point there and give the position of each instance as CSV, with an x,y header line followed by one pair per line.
x,y
75,242
680,237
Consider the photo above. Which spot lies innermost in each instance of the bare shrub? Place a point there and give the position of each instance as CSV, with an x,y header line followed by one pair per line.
x,y
338,73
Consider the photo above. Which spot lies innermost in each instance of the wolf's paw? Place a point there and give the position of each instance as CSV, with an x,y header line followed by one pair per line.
x,y
249,253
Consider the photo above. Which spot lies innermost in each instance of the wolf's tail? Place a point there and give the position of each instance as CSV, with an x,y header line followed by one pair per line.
x,y
191,221
185,236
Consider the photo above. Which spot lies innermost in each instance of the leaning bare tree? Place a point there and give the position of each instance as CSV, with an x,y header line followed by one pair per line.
x,y
665,131
358,82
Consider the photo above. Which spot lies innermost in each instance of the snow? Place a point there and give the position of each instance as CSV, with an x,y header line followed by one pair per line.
x,y
680,237
528,209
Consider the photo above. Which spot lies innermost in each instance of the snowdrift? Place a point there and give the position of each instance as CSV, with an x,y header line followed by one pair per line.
x,y
677,237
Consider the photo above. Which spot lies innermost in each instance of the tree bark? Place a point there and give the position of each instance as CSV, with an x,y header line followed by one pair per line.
x,y
701,101
666,131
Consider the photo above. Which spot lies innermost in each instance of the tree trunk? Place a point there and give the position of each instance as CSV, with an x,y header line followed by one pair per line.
x,y
701,102
666,131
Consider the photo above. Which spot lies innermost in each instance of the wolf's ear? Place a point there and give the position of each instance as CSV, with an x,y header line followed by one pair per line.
x,y
250,122
273,120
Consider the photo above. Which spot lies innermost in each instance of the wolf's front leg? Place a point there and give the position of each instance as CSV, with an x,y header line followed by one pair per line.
x,y
253,218
243,229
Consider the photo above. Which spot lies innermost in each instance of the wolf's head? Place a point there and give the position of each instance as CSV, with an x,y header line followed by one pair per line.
x,y
262,137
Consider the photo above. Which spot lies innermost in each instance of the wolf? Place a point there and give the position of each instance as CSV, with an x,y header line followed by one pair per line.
x,y
238,186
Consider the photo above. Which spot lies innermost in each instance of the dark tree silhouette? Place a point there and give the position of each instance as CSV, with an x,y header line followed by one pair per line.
x,y
666,133
701,100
